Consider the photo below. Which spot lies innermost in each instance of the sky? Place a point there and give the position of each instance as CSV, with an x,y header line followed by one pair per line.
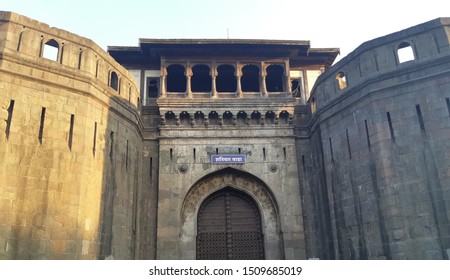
x,y
343,24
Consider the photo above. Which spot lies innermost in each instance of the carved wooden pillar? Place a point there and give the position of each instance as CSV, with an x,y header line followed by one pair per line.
x,y
263,80
188,74
214,74
163,80
238,79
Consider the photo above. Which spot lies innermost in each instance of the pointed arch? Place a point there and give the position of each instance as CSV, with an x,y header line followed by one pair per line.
x,y
240,181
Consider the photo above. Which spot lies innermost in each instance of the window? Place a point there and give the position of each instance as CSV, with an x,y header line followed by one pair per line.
x,y
405,52
176,80
341,79
114,81
152,87
250,78
51,49
226,79
274,79
201,80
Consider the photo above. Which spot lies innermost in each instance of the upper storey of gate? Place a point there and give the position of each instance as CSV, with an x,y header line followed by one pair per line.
x,y
223,68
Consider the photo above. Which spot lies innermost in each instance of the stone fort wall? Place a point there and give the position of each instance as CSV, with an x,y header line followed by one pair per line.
x,y
70,147
77,181
376,179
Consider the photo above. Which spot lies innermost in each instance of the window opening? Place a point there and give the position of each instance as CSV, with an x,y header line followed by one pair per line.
x,y
405,52
274,78
213,118
199,118
227,118
152,87
241,118
170,118
51,49
114,81
201,79
342,80
256,117
184,118
226,79
296,89
284,117
176,79
270,117
250,78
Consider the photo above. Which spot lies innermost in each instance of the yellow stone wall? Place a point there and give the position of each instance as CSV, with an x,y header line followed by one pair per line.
x,y
61,198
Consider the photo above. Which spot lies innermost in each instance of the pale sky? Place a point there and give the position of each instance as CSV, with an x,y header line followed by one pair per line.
x,y
340,24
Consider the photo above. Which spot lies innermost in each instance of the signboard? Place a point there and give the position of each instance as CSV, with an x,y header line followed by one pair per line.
x,y
228,159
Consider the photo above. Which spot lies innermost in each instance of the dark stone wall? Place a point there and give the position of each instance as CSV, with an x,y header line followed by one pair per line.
x,y
377,182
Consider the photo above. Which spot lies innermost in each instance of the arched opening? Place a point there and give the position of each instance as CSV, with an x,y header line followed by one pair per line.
x,y
253,189
256,117
213,118
201,80
227,118
284,117
229,227
274,78
184,118
270,117
199,118
342,80
51,49
405,52
296,88
241,118
170,118
250,78
226,79
114,81
152,87
176,80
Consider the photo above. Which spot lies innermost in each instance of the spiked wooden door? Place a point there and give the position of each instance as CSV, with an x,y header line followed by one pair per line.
x,y
229,227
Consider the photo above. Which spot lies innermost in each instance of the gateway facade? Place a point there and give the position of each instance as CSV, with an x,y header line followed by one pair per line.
x,y
223,149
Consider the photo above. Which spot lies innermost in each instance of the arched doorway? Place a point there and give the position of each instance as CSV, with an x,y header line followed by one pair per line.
x,y
229,227
243,183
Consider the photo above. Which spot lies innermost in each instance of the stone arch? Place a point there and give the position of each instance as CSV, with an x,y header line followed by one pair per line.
x,y
241,181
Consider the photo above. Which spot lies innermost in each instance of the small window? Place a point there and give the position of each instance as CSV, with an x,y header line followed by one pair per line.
x,y
405,52
296,88
114,81
341,79
51,49
152,87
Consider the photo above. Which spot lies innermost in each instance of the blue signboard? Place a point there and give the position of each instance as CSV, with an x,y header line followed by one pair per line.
x,y
228,159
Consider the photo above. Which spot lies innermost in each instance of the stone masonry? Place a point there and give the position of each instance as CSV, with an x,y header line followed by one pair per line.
x,y
109,155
